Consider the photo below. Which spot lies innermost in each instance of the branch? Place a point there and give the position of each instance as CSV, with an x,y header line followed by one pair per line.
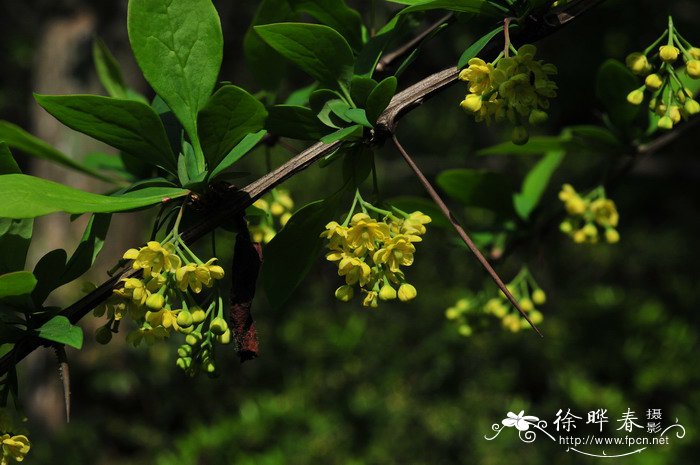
x,y
533,30
461,232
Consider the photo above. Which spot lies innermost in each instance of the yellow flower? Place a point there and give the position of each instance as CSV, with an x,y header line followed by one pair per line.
x,y
478,74
365,231
636,97
472,102
354,270
147,335
370,300
387,292
14,446
284,199
154,258
261,233
336,234
653,82
605,212
415,223
195,276
396,252
133,289
164,317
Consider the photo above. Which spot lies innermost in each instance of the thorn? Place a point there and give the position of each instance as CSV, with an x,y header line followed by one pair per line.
x,y
64,373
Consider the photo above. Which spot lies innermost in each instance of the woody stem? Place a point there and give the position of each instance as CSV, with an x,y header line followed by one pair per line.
x,y
460,230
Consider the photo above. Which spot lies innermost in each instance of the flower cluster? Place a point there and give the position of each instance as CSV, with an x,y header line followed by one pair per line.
x,y
473,310
515,88
273,212
588,215
370,253
664,70
168,299
14,446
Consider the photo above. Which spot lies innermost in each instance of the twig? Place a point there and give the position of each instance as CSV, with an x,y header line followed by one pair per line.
x,y
389,58
64,372
461,232
400,105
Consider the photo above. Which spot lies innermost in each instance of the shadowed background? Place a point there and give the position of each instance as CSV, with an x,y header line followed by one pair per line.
x,y
337,383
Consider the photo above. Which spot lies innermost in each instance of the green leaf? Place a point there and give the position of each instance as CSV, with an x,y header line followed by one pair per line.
x,y
263,61
59,329
348,133
20,139
613,83
318,50
292,252
294,121
15,235
463,6
358,115
240,150
360,88
178,45
230,115
48,272
16,283
108,69
8,165
478,188
474,49
41,197
90,246
336,14
380,98
535,184
301,96
535,146
127,125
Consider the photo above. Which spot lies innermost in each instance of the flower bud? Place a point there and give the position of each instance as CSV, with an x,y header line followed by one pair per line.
x,y
198,315
579,236
675,114
224,338
590,230
612,236
184,351
184,362
575,206
566,227
637,63
537,117
407,292
209,367
387,292
668,53
344,293
193,339
276,208
284,219
536,317
155,302
218,326
691,107
635,97
665,123
471,102
452,313
526,305
693,69
653,82
103,334
539,297
465,330
184,319
694,52
520,135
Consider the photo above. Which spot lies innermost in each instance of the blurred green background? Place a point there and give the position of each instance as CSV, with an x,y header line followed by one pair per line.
x,y
339,384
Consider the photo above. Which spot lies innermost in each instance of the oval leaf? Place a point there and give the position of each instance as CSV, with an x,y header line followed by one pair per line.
x,y
230,115
59,329
29,197
127,125
178,45
318,50
16,283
